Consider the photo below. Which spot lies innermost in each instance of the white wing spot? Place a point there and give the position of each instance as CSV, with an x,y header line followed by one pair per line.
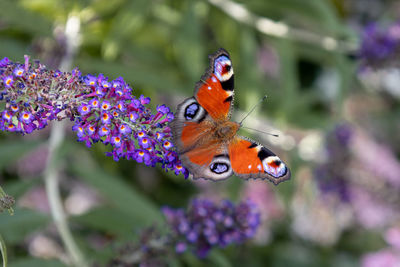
x,y
250,166
259,167
213,79
209,88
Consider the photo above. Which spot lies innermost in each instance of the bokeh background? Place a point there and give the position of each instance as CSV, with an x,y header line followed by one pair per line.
x,y
338,120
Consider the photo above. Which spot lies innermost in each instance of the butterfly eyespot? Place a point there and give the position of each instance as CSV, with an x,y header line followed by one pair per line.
x,y
191,111
223,68
219,167
274,166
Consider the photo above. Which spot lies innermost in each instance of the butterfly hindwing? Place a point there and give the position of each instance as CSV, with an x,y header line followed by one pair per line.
x,y
252,160
215,90
204,156
210,161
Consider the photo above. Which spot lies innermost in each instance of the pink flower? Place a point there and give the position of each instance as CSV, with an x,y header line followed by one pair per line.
x,y
383,258
392,237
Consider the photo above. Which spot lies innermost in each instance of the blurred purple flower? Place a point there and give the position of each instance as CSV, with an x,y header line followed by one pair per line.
x,y
370,211
205,225
331,175
379,45
377,158
268,204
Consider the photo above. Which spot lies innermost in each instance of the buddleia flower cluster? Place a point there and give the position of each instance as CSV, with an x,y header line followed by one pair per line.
x,y
102,110
205,225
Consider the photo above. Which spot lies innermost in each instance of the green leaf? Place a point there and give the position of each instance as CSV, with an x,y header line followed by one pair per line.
x,y
32,262
219,259
107,219
3,251
24,221
20,187
189,39
133,72
13,14
11,150
13,49
139,210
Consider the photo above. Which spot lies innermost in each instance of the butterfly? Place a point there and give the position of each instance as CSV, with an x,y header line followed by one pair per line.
x,y
207,141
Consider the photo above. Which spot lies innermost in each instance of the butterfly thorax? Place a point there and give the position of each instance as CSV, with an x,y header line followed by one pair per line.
x,y
226,130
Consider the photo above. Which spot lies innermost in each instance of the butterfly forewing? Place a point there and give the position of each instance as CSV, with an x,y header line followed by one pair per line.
x,y
215,90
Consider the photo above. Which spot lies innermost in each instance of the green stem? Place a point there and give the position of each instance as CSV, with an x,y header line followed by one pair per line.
x,y
3,251
53,194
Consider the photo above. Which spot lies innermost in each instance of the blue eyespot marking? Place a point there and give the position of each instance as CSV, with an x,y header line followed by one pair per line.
x,y
219,167
191,111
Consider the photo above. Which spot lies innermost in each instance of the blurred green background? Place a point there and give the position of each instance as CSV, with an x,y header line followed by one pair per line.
x,y
310,73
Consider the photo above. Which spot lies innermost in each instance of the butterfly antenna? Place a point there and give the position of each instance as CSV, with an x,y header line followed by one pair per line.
x,y
275,135
259,102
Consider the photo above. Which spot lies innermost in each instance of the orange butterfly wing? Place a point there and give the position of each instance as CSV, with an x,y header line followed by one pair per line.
x,y
214,91
251,160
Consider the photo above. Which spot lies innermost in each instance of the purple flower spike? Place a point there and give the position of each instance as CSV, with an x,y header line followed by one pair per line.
x,y
201,229
103,111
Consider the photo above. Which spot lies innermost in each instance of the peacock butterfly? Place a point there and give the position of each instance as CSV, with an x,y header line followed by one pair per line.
x,y
207,141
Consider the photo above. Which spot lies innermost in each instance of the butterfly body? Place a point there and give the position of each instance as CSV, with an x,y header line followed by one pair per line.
x,y
207,141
